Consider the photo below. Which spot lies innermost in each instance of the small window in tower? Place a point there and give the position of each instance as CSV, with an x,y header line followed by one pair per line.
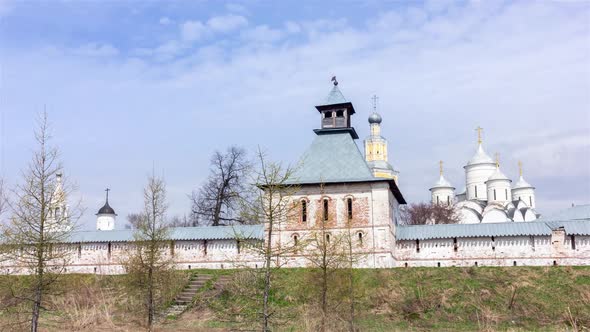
x,y
303,210
328,114
328,238
360,235
417,245
531,201
475,191
494,194
449,200
295,240
326,210
349,208
506,192
437,200
57,213
340,114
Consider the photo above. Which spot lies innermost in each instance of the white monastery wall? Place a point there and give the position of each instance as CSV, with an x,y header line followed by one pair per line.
x,y
501,251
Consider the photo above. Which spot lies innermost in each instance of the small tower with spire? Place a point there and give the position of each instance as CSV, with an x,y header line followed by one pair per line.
x,y
442,191
522,190
376,148
105,218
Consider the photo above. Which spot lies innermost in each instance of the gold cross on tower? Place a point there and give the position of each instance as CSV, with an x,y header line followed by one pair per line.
x,y
440,165
497,160
479,130
520,168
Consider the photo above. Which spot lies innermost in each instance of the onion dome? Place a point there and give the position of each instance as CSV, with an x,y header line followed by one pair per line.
x,y
375,118
480,157
106,208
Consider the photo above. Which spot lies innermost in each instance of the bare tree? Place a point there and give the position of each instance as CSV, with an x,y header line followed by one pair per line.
x,y
271,204
148,265
217,201
41,222
427,213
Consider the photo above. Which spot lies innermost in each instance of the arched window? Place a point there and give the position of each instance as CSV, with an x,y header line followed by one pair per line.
x,y
57,213
328,238
494,194
303,210
437,200
531,201
295,240
339,113
448,200
349,208
360,237
475,191
326,216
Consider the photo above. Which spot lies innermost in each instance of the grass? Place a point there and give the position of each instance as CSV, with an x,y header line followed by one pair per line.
x,y
415,299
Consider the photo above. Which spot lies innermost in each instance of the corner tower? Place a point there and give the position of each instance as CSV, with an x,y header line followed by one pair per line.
x,y
376,148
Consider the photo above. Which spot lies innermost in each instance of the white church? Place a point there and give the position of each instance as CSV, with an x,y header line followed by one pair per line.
x,y
488,196
358,192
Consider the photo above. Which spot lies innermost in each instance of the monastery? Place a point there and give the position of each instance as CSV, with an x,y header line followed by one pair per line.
x,y
358,192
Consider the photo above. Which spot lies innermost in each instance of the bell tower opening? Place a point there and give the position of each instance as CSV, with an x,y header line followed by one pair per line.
x,y
335,113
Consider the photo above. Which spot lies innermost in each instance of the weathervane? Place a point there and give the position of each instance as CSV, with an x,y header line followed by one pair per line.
x,y
107,190
334,81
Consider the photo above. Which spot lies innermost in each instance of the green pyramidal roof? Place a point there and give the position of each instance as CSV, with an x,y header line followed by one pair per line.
x,y
335,97
332,157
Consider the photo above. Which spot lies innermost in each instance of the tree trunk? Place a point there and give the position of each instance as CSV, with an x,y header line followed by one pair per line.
x,y
150,300
268,261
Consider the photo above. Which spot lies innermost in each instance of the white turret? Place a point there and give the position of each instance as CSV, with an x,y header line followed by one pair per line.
x,y
477,171
105,218
498,186
58,219
523,191
442,191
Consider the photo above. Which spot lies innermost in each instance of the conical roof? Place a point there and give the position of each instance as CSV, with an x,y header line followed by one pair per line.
x,y
334,97
521,184
442,183
480,157
498,175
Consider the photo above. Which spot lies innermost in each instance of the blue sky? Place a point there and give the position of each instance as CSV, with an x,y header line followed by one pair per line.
x,y
129,85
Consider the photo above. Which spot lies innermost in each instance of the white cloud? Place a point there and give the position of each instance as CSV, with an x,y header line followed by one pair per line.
x,y
192,30
6,7
226,23
165,21
96,50
234,7
263,34
292,27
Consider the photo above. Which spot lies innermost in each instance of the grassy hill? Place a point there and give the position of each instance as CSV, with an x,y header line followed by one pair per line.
x,y
419,299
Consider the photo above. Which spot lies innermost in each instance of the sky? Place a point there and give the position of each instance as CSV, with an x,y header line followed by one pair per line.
x,y
133,86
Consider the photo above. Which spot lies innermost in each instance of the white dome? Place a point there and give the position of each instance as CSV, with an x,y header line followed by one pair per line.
x,y
442,183
480,157
498,175
521,183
